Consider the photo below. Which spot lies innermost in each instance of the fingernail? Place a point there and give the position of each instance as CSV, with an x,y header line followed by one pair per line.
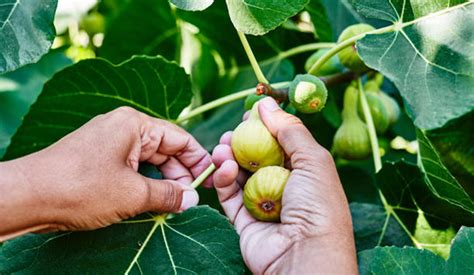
x,y
190,199
269,104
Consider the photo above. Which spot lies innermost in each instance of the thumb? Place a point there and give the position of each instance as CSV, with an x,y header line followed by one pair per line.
x,y
292,135
169,196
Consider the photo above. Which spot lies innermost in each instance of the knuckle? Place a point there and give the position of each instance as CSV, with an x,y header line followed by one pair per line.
x,y
170,197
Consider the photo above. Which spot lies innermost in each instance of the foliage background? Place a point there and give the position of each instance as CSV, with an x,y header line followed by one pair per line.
x,y
407,217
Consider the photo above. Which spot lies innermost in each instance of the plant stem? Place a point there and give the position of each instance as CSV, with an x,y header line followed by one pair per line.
x,y
344,44
370,125
253,61
302,49
203,176
224,100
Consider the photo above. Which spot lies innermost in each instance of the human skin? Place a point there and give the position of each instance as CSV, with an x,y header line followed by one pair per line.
x,y
315,234
89,179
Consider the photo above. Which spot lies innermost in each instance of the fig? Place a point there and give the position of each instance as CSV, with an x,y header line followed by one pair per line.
x,y
379,113
349,56
263,192
253,145
307,93
332,66
93,23
250,101
351,140
391,106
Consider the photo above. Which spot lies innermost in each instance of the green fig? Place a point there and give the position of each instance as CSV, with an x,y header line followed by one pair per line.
x,y
330,67
263,192
351,140
308,93
377,110
349,56
93,23
391,106
254,146
250,101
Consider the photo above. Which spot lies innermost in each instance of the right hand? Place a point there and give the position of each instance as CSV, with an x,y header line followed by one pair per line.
x,y
315,233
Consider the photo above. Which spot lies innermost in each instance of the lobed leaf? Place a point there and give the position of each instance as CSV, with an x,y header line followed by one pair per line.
x,y
192,5
26,31
407,260
91,87
428,57
259,17
199,240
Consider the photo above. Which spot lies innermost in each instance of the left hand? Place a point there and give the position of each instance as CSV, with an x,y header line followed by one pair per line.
x,y
89,179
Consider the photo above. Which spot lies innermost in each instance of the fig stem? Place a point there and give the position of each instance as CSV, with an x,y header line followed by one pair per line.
x,y
204,175
224,100
370,125
253,61
344,44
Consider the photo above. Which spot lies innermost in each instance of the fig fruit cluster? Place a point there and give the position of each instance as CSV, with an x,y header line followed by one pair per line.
x,y
256,150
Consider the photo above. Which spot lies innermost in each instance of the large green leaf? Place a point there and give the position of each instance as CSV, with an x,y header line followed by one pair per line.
x,y
425,218
28,82
259,17
141,27
373,227
455,146
91,87
26,31
395,260
404,188
430,58
439,178
198,241
192,5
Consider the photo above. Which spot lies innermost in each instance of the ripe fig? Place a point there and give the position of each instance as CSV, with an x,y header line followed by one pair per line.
x,y
250,101
332,66
253,145
351,140
349,56
263,192
379,112
307,93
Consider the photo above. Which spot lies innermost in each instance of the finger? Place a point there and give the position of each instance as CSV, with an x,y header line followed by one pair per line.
x,y
226,138
295,139
173,169
246,116
174,141
169,196
222,153
230,195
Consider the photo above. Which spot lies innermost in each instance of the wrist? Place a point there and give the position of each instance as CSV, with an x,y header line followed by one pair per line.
x,y
20,207
333,253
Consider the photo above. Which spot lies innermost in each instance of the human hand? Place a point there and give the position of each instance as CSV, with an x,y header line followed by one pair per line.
x,y
89,179
315,233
